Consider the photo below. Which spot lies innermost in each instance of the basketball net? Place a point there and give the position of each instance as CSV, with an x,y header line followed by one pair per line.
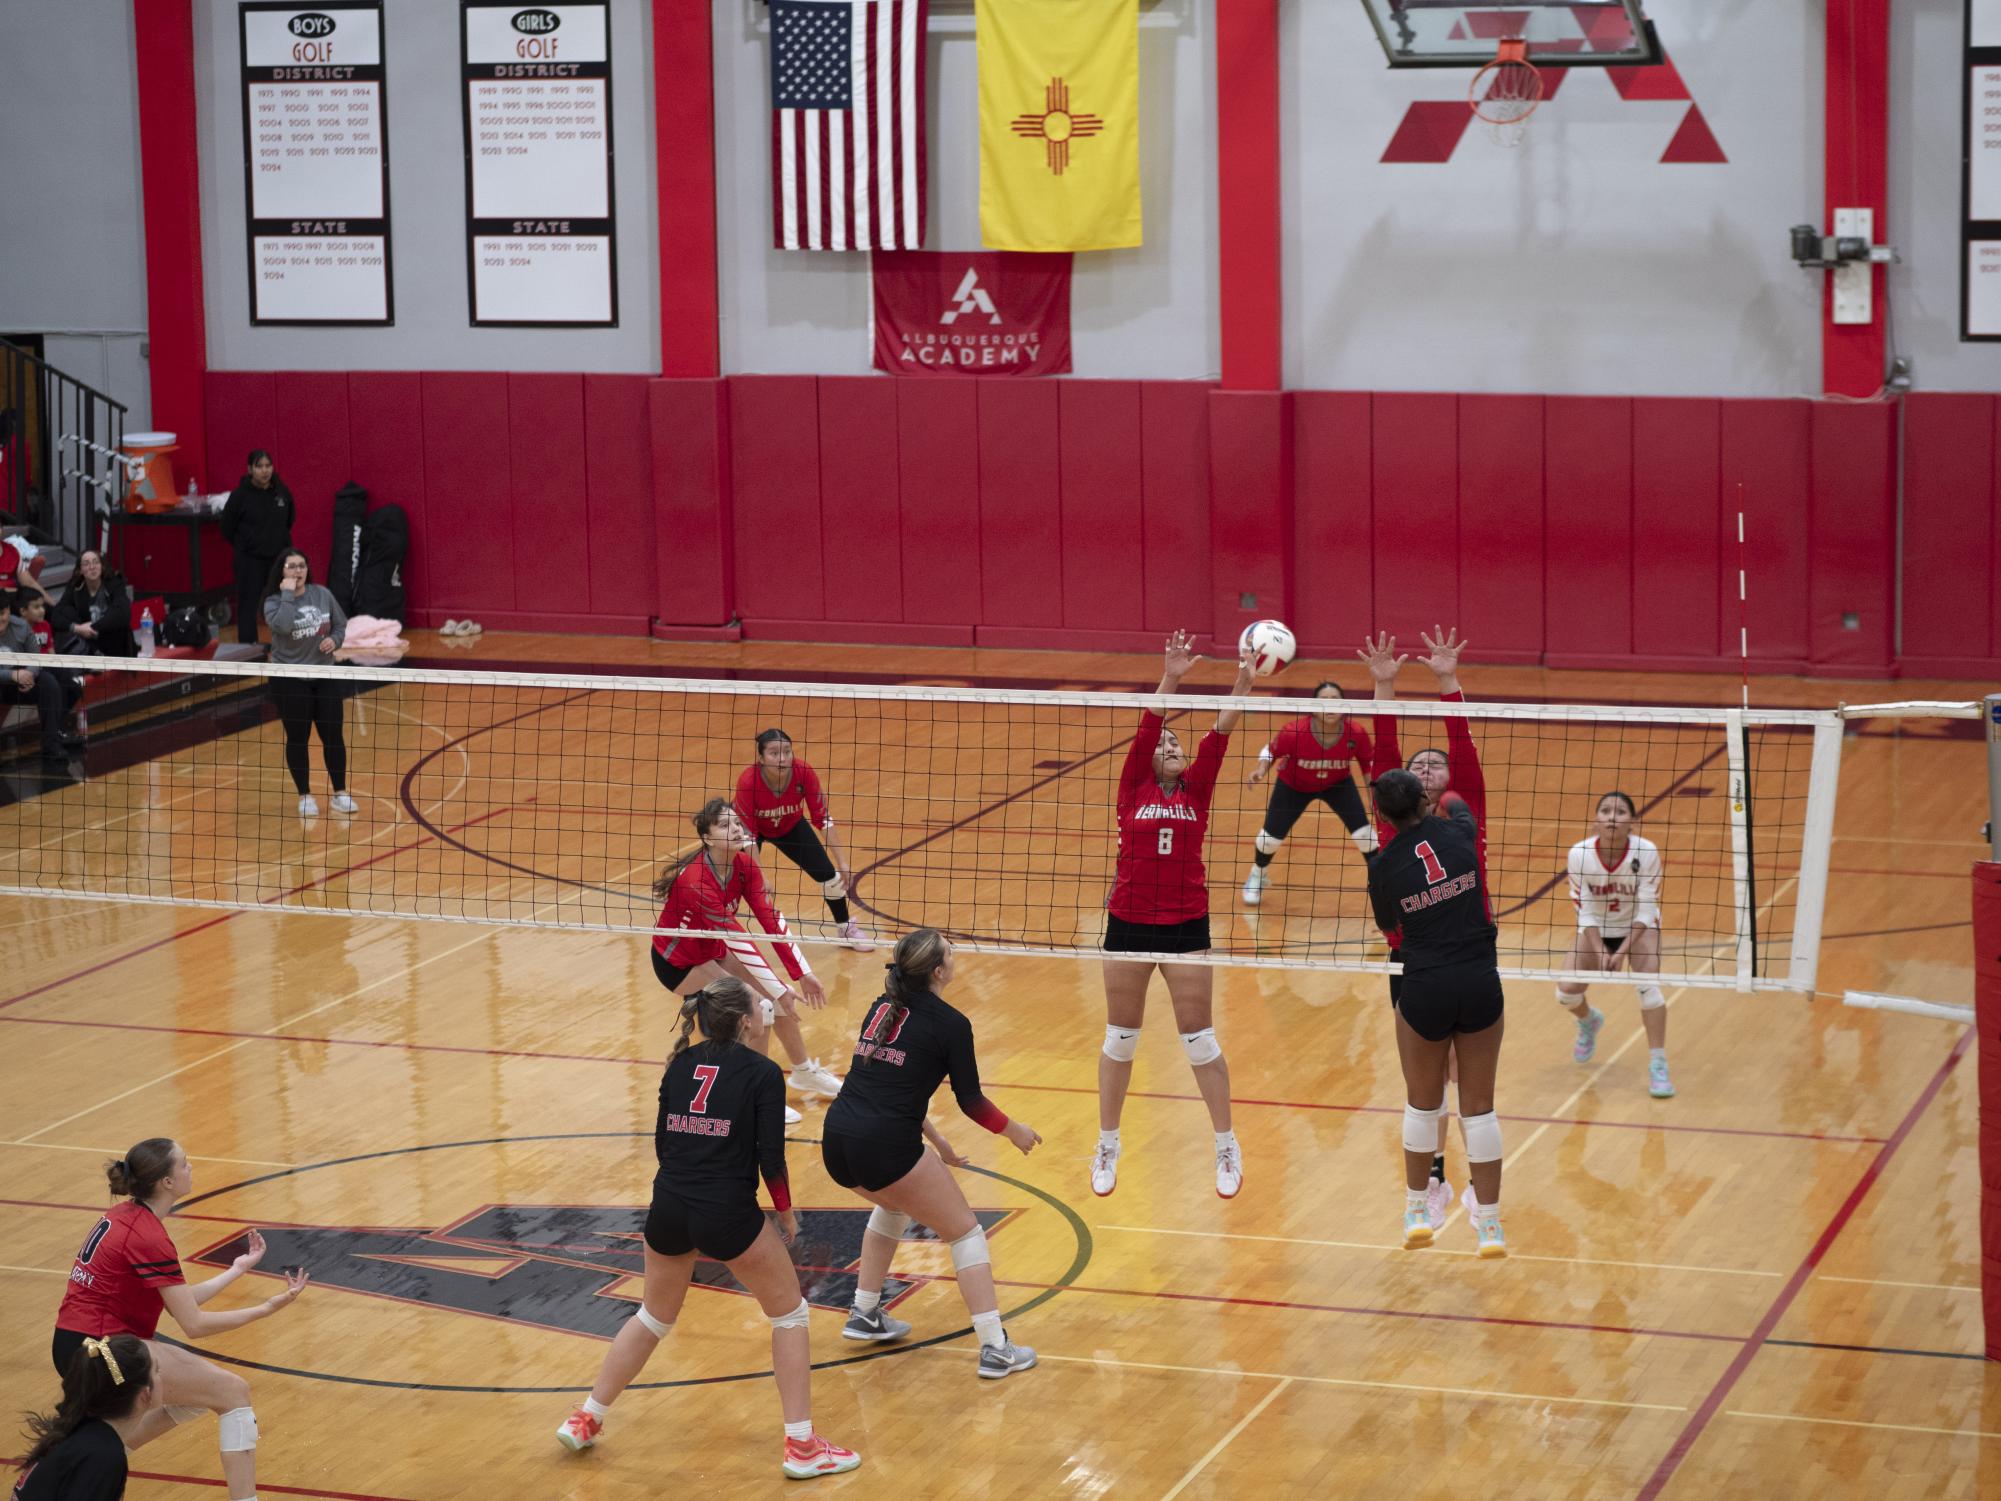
x,y
1506,92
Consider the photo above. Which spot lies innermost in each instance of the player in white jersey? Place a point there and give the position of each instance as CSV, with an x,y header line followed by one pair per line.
x,y
1615,884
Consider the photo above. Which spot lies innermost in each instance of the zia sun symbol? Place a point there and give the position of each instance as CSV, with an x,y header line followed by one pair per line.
x,y
1056,126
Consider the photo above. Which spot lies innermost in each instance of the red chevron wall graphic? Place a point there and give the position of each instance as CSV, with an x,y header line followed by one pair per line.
x,y
1431,128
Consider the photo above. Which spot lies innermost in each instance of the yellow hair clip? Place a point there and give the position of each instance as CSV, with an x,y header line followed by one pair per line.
x,y
103,1347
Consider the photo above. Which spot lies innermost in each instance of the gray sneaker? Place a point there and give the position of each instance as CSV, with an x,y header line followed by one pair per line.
x,y
874,1325
1004,1359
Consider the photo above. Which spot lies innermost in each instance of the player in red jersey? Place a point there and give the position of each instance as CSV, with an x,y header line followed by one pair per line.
x,y
1448,776
127,1272
1160,905
780,799
703,891
1310,757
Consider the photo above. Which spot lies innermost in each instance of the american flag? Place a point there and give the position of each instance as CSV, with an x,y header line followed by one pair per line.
x,y
847,124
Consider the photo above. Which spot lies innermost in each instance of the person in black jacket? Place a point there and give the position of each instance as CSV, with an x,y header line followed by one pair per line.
x,y
94,615
78,1454
721,1126
257,524
1429,896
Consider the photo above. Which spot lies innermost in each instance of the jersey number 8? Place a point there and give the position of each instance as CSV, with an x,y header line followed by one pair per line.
x,y
1166,846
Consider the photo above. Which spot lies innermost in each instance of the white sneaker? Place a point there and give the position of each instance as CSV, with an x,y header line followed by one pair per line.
x,y
855,937
792,1117
1490,1243
579,1431
1437,1199
1254,886
1229,1171
1104,1170
449,628
809,1077
309,807
342,803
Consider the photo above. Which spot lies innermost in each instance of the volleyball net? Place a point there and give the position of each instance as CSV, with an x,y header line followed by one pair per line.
x,y
555,801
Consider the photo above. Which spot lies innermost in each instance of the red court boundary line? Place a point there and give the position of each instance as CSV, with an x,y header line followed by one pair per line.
x,y
1671,1461
262,1486
445,1047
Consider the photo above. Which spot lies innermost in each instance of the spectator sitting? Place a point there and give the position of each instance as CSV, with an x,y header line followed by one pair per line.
x,y
94,616
21,566
34,608
51,692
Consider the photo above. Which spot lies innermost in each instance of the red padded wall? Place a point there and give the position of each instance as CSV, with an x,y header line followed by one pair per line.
x,y
1101,556
1174,486
775,465
1021,506
1334,598
860,515
1766,469
242,415
1948,529
310,446
385,412
551,516
693,503
1250,510
618,479
1852,536
469,493
1588,529
1674,591
1414,469
938,469
1501,525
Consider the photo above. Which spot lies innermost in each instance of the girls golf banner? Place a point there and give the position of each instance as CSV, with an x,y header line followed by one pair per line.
x,y
972,313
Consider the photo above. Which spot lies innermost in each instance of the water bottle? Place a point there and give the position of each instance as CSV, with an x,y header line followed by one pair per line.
x,y
146,632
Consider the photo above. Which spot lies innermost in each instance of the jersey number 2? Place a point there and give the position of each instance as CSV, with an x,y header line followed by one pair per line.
x,y
1433,871
706,1072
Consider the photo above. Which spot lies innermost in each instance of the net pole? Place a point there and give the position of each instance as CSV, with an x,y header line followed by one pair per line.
x,y
1993,718
1740,846
1816,850
1987,1026
1743,610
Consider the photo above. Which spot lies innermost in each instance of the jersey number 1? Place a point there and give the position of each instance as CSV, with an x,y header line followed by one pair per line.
x,y
706,1072
1433,871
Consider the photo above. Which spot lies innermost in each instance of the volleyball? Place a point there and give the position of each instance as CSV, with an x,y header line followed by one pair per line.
x,y
1270,643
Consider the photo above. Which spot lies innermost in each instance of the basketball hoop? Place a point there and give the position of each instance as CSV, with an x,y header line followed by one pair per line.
x,y
1506,92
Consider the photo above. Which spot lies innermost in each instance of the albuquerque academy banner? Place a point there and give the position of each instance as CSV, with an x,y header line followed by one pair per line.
x,y
987,312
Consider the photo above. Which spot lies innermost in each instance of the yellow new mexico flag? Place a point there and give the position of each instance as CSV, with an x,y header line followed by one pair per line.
x,y
1059,124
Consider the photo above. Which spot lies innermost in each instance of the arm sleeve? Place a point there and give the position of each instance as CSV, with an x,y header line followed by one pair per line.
x,y
965,1073
156,1262
1575,871
1364,753
279,608
1651,871
771,1138
816,799
1388,755
746,802
1208,764
1463,757
1139,755
1382,903
770,919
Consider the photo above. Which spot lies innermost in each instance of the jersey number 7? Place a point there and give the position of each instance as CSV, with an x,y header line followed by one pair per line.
x,y
706,1072
1433,871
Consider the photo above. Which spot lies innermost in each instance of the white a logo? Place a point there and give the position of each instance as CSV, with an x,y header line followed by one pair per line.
x,y
971,298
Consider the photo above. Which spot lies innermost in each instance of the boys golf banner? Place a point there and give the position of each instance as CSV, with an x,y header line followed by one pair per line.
x,y
971,313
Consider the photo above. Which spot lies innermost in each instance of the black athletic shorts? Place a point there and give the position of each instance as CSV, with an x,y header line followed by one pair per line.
x,y
1438,1003
667,974
1122,937
674,1227
1288,803
65,1345
1614,941
802,846
871,1166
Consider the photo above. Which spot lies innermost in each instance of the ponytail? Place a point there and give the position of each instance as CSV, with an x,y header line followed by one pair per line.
x,y
104,1380
919,955
719,1008
141,1170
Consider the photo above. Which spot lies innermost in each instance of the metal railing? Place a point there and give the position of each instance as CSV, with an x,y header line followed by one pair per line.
x,y
73,434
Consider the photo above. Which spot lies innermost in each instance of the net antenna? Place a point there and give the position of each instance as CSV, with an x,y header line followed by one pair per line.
x,y
1505,93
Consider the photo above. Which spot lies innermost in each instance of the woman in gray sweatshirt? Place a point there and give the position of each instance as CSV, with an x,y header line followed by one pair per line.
x,y
306,627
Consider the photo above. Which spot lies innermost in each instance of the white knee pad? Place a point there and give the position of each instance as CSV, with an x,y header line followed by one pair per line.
x,y
1483,1137
654,1326
1651,998
1202,1046
796,1319
1420,1128
180,1415
970,1249
1266,843
1365,839
888,1222
1121,1043
238,1429
834,890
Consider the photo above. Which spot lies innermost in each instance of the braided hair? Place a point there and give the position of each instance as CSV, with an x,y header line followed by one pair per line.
x,y
919,955
719,1009
104,1379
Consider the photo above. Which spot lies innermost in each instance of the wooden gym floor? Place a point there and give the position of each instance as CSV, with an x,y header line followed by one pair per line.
x,y
1767,1286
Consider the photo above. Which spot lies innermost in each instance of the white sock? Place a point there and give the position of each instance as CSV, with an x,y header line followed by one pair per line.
x,y
1414,1198
596,1408
1109,1138
799,1432
1225,1139
865,1301
1486,1211
1657,1055
988,1327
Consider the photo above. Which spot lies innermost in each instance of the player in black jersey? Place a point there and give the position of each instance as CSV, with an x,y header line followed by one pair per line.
x,y
78,1453
873,1143
1430,898
721,1124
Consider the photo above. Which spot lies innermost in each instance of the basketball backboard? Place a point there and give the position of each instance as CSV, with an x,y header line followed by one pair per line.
x,y
1558,33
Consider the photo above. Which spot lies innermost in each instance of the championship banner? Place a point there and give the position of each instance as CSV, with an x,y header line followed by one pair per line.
x,y
971,313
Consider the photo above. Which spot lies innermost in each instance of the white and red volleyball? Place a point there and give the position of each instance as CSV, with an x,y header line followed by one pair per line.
x,y
1270,643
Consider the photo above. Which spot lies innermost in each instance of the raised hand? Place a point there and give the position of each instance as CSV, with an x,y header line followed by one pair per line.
x,y
1181,656
1443,651
1379,655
